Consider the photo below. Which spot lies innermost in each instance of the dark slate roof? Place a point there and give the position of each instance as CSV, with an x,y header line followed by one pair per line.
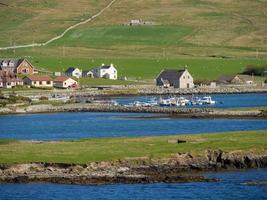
x,y
226,78
9,61
105,67
86,71
70,70
171,74
165,82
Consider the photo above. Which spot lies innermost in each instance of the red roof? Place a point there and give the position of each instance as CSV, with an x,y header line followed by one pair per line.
x,y
61,78
39,78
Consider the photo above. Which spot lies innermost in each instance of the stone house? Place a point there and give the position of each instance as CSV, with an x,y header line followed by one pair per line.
x,y
17,66
175,78
65,82
75,72
40,81
105,71
239,79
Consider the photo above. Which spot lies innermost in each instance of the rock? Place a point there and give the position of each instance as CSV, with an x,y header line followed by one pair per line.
x,y
176,141
179,168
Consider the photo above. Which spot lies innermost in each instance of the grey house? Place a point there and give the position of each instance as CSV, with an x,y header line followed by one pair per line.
x,y
175,78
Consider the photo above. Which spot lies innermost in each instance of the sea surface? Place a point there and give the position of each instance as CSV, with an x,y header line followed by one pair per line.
x,y
223,100
59,126
230,187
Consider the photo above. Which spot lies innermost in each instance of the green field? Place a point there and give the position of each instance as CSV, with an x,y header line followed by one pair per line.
x,y
148,69
211,38
105,149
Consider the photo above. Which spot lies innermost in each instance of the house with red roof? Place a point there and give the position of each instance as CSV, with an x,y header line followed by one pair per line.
x,y
40,81
65,82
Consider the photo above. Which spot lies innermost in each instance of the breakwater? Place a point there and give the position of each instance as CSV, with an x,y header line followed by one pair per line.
x,y
174,111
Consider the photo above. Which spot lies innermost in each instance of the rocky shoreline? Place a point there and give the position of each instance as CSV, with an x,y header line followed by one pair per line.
x,y
134,90
182,167
169,111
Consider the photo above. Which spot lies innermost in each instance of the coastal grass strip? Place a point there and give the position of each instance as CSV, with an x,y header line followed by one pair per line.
x,y
108,149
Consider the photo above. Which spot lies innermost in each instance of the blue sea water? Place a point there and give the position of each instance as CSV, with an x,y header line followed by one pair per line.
x,y
59,126
230,187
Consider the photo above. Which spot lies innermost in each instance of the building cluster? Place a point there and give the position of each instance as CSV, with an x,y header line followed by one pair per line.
x,y
11,71
183,79
103,71
139,22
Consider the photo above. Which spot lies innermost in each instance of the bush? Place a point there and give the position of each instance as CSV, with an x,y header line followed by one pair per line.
x,y
254,70
43,98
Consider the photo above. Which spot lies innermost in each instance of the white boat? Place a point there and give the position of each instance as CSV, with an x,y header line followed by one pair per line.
x,y
208,100
152,102
165,102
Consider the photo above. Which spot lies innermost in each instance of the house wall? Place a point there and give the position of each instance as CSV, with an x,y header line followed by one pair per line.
x,y
77,73
65,84
186,80
9,84
25,68
110,73
40,84
1,84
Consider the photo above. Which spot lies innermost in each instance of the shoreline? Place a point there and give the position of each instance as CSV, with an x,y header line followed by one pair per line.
x,y
139,90
182,167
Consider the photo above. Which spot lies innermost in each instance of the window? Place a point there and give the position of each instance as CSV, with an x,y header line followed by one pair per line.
x,y
184,77
188,77
48,82
40,82
34,82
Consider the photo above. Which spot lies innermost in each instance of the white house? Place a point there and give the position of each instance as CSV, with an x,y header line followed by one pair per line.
x,y
75,72
105,71
65,82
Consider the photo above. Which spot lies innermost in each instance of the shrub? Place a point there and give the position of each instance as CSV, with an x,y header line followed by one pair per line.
x,y
43,98
254,70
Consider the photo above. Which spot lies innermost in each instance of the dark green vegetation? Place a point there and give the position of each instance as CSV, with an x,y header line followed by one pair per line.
x,y
13,99
86,150
210,37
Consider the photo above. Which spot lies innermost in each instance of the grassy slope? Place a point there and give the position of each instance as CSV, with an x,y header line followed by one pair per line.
x,y
186,33
87,150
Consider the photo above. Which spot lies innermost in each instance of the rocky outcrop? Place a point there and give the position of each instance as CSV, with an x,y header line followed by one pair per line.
x,y
182,167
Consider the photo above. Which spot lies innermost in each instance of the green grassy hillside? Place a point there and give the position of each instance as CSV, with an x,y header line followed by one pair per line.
x,y
211,37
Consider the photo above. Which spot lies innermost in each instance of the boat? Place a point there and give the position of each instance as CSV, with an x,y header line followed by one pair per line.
x,y
208,100
165,102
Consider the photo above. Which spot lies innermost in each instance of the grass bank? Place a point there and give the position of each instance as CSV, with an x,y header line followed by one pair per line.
x,y
106,149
